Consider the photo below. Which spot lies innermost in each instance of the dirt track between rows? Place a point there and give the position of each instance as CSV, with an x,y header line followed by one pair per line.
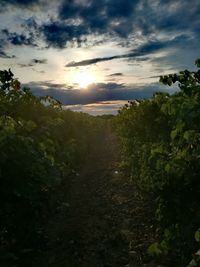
x,y
103,221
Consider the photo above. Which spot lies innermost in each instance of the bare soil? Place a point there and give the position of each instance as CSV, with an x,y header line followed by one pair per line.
x,y
103,219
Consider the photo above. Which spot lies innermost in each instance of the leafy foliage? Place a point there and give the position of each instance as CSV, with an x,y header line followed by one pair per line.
x,y
161,148
41,149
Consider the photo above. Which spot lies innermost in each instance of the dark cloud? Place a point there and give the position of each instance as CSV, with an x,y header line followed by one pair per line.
x,y
18,3
78,19
19,39
142,50
92,61
116,74
22,65
30,23
49,85
33,63
3,54
105,16
179,15
57,34
39,61
97,10
95,92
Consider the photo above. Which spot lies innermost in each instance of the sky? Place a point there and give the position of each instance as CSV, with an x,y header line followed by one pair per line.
x,y
94,55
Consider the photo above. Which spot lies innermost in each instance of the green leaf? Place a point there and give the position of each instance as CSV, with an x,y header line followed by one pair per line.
x,y
174,134
193,263
154,249
167,167
197,235
197,63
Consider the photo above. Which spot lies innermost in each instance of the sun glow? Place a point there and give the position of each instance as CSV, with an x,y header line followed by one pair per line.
x,y
83,79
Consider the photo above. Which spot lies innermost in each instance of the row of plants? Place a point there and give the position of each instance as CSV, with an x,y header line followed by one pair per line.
x,y
161,150
42,148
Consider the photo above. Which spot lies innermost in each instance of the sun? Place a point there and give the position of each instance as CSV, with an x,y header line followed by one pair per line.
x,y
83,79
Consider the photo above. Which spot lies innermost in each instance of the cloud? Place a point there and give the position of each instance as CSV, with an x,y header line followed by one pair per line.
x,y
102,59
33,62
21,65
18,39
117,74
118,20
19,3
97,10
76,20
99,108
95,92
142,50
100,16
92,61
80,22
57,34
39,71
43,85
39,61
5,55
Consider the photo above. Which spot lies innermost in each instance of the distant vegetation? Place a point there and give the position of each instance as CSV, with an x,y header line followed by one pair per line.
x,y
42,148
161,150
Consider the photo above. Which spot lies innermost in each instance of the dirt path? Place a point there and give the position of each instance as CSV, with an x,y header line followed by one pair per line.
x,y
103,221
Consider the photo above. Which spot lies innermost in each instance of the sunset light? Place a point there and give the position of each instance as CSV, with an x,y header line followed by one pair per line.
x,y
83,79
